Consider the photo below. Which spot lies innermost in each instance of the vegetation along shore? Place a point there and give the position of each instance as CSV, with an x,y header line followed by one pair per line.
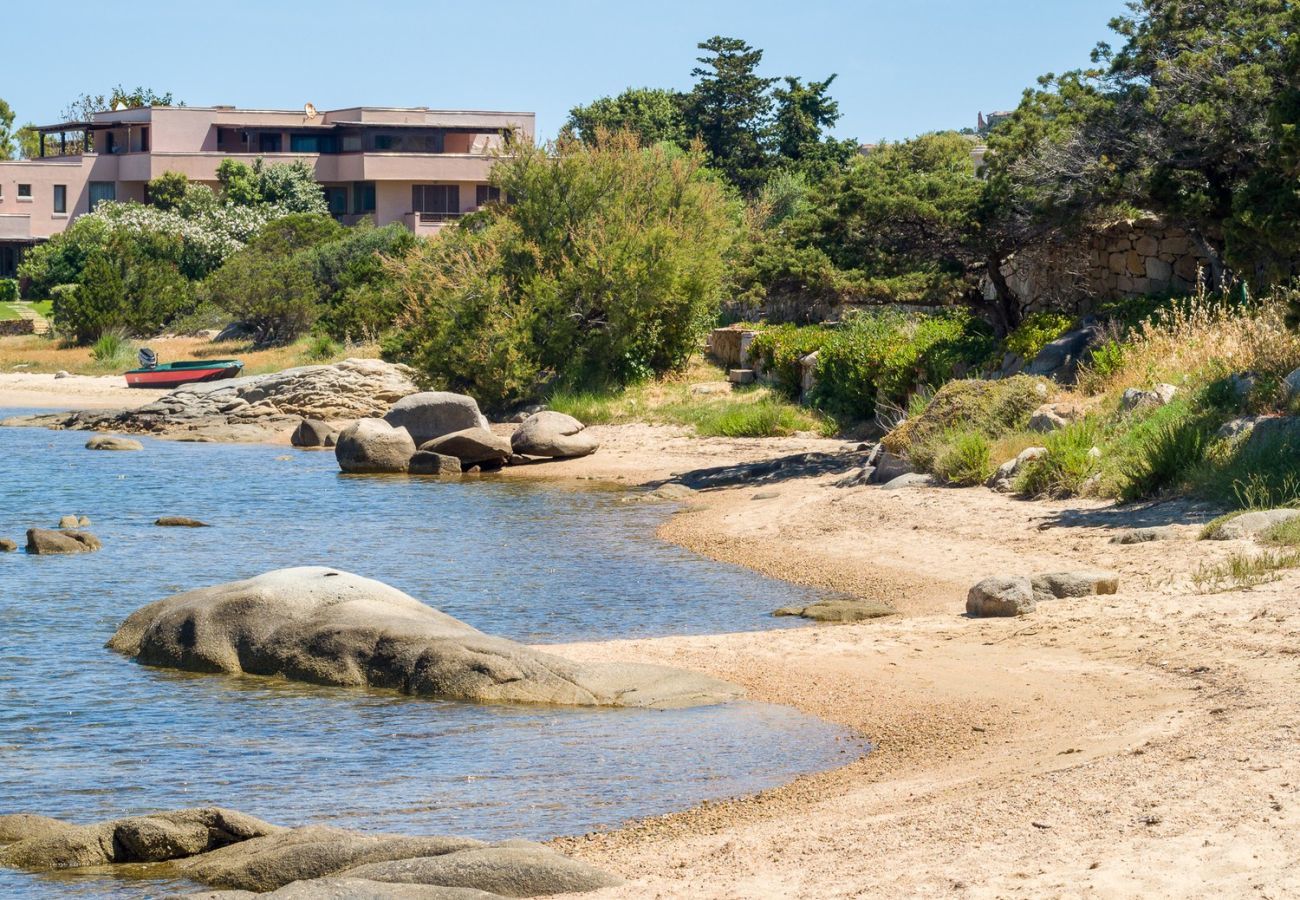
x,y
1010,415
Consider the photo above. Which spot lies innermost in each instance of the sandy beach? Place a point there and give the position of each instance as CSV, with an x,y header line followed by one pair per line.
x,y
1141,744
31,390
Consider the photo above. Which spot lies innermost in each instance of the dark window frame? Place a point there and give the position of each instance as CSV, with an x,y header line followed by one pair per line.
x,y
60,199
24,192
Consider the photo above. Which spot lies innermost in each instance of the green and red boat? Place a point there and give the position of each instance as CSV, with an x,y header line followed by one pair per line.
x,y
153,374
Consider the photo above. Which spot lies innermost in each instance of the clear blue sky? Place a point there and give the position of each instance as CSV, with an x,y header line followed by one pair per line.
x,y
905,66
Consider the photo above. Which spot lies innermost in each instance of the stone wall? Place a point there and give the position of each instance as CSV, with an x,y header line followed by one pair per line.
x,y
10,327
1128,259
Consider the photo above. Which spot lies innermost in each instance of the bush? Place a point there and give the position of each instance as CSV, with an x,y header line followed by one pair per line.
x,y
607,267
1035,332
964,459
1068,463
322,348
128,284
113,349
989,408
1166,456
8,290
885,356
781,347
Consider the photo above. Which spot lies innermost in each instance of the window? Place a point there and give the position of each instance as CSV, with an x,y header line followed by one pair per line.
x,y
435,198
223,138
101,191
485,194
24,192
60,198
313,143
336,198
268,142
351,143
383,142
144,139
363,197
110,142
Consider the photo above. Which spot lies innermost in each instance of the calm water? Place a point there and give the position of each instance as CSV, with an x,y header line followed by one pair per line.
x,y
86,733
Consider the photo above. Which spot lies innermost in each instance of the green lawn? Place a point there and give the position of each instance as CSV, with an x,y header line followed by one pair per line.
x,y
44,307
7,311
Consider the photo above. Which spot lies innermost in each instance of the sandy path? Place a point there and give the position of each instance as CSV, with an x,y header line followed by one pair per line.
x,y
1136,745
30,390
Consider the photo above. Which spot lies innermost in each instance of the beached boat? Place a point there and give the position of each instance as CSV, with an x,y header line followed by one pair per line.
x,y
169,375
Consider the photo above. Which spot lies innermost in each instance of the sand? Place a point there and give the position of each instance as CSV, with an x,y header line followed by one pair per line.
x,y
41,391
1136,745
1142,744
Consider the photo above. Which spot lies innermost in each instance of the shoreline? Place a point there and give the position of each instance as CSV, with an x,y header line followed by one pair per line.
x,y
1140,743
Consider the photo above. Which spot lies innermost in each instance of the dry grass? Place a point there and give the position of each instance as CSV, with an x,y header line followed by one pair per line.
x,y
41,354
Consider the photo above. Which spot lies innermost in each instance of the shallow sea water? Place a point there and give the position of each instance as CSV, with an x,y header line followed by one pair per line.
x,y
87,734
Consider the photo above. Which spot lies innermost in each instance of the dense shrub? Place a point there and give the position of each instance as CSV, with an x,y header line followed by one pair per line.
x,y
1067,465
963,459
357,294
1035,332
989,408
8,290
608,267
779,350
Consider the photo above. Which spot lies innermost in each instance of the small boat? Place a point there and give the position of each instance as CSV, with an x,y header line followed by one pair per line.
x,y
152,374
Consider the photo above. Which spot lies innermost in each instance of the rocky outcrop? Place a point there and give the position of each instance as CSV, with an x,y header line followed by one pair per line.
x,y
43,541
179,522
45,845
313,433
1136,398
245,857
112,442
1001,596
252,408
432,414
473,447
553,435
372,446
839,609
426,462
1250,524
329,627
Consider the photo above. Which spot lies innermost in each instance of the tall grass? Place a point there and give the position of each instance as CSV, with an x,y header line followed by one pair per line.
x,y
113,350
1068,463
965,459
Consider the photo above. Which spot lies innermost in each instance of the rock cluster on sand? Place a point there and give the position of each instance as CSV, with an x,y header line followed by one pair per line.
x,y
329,627
252,408
473,447
44,541
432,414
1017,595
553,435
243,857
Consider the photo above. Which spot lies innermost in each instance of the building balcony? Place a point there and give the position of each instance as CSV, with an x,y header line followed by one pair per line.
x,y
429,223
15,227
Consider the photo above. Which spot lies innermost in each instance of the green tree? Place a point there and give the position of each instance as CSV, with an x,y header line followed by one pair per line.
x,y
167,191
804,113
292,186
652,114
730,109
82,107
607,268
8,142
29,141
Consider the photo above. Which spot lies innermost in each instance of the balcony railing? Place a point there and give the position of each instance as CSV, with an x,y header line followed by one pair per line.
x,y
436,218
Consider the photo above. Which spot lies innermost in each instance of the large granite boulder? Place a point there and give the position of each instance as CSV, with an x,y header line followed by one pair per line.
x,y
324,626
426,462
312,433
47,844
43,541
113,442
1060,359
473,447
432,414
554,435
373,446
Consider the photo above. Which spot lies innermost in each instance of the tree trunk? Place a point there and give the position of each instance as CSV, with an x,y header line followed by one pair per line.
x,y
1213,254
1005,308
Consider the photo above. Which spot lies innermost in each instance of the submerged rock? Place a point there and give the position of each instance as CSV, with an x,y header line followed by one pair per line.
x,y
112,442
329,627
433,414
7,546
44,541
553,435
426,462
511,869
373,446
69,522
839,609
179,522
1001,596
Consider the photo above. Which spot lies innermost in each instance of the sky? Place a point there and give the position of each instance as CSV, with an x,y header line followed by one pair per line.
x,y
904,66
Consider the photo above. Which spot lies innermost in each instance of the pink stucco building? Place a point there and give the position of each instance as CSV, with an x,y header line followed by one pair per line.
x,y
421,167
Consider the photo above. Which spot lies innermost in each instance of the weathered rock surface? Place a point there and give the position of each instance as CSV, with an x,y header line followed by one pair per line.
x,y
554,435
179,522
47,844
44,541
1004,479
1001,596
312,433
329,627
7,546
112,442
69,522
432,414
1250,524
373,446
1136,398
1060,359
426,462
252,408
912,479
344,888
514,869
1059,585
473,447
888,466
1146,535
839,609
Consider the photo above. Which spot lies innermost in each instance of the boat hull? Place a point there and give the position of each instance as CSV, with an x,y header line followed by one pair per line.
x,y
162,377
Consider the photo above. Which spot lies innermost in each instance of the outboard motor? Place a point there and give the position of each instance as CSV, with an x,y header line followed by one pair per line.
x,y
148,359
